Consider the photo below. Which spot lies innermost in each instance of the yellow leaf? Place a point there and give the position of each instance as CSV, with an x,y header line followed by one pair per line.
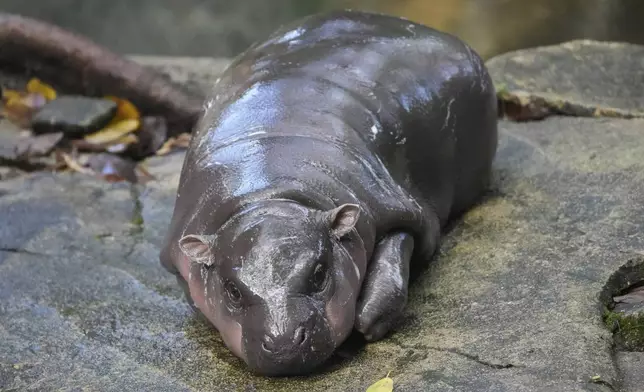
x,y
14,101
113,132
11,95
383,385
128,139
36,86
19,108
125,109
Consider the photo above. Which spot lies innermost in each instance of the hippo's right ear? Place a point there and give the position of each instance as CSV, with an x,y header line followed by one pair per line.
x,y
343,219
198,248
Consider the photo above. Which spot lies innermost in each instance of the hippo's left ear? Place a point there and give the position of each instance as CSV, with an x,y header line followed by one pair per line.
x,y
343,219
198,248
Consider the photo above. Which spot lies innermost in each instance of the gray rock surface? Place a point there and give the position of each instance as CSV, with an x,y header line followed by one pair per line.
x,y
8,172
21,149
509,304
10,138
196,73
581,78
632,369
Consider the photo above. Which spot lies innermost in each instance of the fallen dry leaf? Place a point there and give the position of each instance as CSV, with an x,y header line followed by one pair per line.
x,y
18,107
113,132
19,115
383,385
166,147
35,85
8,94
181,141
74,165
125,109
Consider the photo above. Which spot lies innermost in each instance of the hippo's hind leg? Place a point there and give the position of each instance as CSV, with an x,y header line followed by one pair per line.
x,y
384,292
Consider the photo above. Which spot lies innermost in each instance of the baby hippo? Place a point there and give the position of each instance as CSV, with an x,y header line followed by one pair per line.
x,y
327,159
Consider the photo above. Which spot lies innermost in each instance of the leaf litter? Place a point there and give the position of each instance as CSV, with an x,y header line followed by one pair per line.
x,y
113,153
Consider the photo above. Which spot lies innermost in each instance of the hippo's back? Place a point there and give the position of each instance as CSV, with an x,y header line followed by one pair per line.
x,y
414,105
348,107
419,98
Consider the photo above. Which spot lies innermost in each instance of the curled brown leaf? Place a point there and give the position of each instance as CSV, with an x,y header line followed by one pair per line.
x,y
181,141
74,165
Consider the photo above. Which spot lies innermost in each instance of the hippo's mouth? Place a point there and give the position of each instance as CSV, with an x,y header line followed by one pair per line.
x,y
279,361
288,364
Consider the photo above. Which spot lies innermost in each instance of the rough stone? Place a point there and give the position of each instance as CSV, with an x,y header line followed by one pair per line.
x,y
196,74
631,365
73,115
8,172
10,138
510,303
20,149
581,78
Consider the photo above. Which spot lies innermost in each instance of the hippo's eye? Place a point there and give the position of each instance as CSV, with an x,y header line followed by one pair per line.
x,y
319,277
233,293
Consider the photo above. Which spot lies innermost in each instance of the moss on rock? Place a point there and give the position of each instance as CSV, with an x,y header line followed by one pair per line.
x,y
628,329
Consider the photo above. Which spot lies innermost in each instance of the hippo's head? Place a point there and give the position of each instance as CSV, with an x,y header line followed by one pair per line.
x,y
280,283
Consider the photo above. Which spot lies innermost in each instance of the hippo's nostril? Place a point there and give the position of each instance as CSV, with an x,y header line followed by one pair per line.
x,y
300,336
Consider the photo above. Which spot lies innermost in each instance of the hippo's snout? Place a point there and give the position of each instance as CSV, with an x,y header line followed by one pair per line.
x,y
276,345
291,342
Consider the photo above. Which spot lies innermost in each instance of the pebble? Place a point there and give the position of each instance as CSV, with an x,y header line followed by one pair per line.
x,y
75,116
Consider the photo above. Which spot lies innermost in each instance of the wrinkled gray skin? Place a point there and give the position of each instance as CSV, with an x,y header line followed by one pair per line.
x,y
328,158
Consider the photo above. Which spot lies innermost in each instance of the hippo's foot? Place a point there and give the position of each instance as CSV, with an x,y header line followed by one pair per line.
x,y
384,292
